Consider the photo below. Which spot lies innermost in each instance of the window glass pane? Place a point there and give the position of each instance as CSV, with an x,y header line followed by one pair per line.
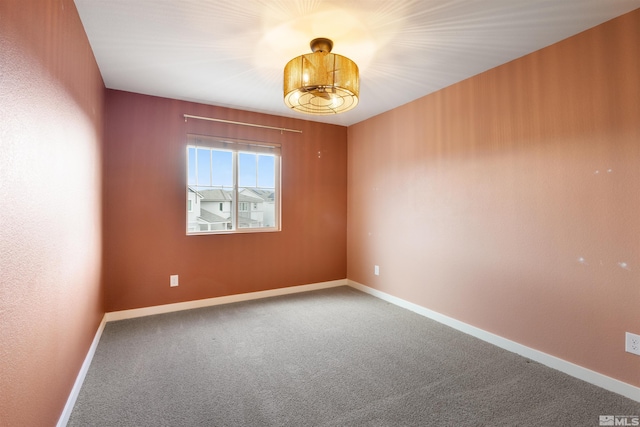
x,y
191,166
247,170
222,168
247,217
257,190
215,208
204,166
266,171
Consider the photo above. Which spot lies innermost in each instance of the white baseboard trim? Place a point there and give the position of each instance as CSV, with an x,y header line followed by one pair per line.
x,y
75,391
592,377
188,305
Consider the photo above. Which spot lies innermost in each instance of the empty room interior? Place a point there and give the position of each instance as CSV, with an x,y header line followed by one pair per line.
x,y
486,175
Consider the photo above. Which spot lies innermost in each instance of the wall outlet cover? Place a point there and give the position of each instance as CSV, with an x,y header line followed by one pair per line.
x,y
173,280
632,343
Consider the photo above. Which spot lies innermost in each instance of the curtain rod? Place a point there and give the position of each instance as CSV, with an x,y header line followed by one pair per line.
x,y
186,116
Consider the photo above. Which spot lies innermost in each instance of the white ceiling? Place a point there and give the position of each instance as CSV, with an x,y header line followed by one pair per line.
x,y
232,53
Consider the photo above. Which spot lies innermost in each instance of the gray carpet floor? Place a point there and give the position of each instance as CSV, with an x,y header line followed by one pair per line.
x,y
335,357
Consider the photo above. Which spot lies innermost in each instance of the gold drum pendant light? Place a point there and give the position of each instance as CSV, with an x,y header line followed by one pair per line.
x,y
321,82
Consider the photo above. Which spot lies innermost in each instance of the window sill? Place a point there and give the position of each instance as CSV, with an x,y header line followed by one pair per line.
x,y
239,231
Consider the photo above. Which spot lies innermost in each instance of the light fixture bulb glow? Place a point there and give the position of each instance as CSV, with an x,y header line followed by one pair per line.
x,y
321,82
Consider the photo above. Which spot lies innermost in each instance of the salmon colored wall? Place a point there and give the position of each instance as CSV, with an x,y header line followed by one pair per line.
x,y
511,201
145,202
51,97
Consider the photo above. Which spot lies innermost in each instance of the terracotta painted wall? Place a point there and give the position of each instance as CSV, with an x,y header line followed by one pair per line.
x,y
511,201
51,97
145,203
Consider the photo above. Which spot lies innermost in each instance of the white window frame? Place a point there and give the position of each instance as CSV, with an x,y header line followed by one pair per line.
x,y
236,147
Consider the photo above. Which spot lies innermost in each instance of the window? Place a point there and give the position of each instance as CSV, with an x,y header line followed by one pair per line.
x,y
232,176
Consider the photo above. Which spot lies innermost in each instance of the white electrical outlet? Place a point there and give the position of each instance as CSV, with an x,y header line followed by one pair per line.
x,y
632,343
376,270
173,280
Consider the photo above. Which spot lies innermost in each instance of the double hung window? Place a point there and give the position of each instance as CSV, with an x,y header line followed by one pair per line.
x,y
232,186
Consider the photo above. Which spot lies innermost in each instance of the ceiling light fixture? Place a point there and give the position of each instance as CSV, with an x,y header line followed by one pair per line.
x,y
321,82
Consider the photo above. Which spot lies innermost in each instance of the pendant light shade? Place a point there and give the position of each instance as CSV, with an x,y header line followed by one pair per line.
x,y
321,82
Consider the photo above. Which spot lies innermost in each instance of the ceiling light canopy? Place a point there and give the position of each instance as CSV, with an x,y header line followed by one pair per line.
x,y
321,82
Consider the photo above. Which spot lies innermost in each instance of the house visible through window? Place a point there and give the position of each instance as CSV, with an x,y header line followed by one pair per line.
x,y
227,177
